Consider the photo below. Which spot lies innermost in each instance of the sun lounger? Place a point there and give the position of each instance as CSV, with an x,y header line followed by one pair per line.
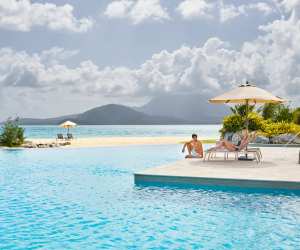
x,y
70,136
60,137
256,153
212,153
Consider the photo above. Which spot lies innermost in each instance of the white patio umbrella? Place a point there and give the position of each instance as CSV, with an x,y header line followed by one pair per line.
x,y
68,125
246,94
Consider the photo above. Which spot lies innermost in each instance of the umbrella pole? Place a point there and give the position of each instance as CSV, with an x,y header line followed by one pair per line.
x,y
245,158
247,124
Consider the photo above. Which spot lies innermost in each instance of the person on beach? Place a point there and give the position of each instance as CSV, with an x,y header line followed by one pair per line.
x,y
240,143
194,147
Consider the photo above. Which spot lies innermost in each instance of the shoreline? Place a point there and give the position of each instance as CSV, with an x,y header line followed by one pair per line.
x,y
115,141
118,141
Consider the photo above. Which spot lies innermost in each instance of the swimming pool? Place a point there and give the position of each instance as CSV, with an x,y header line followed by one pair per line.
x,y
85,198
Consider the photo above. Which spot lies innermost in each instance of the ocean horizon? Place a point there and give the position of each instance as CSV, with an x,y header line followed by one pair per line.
x,y
89,131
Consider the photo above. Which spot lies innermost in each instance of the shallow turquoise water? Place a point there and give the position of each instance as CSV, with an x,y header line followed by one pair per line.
x,y
86,199
204,131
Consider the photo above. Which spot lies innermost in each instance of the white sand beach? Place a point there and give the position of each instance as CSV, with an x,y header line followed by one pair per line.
x,y
116,141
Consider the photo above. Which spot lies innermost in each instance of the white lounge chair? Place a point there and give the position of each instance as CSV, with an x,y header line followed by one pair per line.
x,y
212,153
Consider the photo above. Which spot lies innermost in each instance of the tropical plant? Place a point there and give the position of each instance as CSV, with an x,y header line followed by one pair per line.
x,y
284,114
255,122
12,135
241,109
275,119
234,123
272,129
268,111
296,116
277,112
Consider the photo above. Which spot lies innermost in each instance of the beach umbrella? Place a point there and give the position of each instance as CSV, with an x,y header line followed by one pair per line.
x,y
68,125
249,95
246,94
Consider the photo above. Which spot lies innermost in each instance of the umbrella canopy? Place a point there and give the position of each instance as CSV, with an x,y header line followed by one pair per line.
x,y
246,94
68,125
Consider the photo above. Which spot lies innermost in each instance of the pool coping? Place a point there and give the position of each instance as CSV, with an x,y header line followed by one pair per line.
x,y
140,178
279,169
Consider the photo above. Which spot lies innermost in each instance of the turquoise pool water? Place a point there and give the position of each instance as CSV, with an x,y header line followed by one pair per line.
x,y
204,131
86,199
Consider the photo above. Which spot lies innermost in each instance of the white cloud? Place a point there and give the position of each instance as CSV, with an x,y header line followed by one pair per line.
x,y
289,5
272,61
55,55
218,10
196,8
23,15
137,11
261,7
118,9
46,71
228,12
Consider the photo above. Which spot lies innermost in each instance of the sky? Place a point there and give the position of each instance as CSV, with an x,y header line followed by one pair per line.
x,y
62,57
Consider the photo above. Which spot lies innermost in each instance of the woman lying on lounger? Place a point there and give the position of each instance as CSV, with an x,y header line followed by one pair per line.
x,y
241,143
194,147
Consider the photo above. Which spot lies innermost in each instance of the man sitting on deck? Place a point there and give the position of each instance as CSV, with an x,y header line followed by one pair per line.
x,y
194,147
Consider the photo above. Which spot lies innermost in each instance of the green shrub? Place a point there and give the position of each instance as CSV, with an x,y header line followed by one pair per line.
x,y
241,109
284,114
276,119
234,123
268,111
272,129
277,112
256,122
296,116
12,135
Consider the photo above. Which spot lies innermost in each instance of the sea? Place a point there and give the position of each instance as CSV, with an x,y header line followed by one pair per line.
x,y
87,131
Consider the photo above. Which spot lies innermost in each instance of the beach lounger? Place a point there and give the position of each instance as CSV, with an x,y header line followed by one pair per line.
x,y
256,153
60,137
70,136
212,153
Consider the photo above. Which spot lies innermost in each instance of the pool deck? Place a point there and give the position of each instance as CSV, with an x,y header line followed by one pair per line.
x,y
279,169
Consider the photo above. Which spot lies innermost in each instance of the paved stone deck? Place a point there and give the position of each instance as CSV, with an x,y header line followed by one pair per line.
x,y
279,169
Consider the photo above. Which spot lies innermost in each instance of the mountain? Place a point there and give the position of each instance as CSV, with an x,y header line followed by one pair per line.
x,y
107,115
47,121
169,109
191,108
